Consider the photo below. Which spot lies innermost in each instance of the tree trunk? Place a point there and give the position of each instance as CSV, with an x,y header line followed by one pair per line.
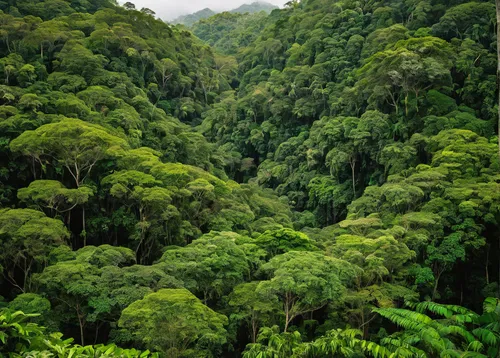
x,y
353,169
436,283
487,264
7,40
33,166
287,313
255,328
80,322
287,319
406,105
84,232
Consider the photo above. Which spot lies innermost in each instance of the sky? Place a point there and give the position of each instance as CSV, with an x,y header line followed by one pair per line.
x,y
170,9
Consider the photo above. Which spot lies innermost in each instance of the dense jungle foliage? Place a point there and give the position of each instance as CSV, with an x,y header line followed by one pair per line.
x,y
255,7
323,181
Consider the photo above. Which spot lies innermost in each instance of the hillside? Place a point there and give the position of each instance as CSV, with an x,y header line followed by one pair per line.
x,y
321,181
190,19
255,7
228,32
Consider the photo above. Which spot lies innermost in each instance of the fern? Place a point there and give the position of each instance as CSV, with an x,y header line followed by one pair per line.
x,y
377,351
486,336
475,346
457,330
405,318
422,336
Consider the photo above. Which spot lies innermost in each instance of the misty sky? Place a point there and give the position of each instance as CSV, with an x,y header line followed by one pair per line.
x,y
170,9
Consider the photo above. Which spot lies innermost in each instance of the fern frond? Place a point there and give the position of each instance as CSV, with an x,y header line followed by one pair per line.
x,y
377,351
465,318
475,346
446,311
457,330
432,338
405,318
486,336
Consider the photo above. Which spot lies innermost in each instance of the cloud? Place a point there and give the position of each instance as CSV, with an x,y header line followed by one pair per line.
x,y
170,9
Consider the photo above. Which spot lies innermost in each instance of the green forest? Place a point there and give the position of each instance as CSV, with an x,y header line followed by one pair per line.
x,y
321,181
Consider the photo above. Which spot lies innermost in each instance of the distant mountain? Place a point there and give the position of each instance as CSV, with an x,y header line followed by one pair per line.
x,y
191,19
257,6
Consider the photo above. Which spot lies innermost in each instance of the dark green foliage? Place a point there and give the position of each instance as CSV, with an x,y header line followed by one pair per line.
x,y
229,32
190,19
286,185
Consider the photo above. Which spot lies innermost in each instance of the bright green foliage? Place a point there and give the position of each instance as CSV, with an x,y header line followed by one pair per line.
x,y
277,242
52,195
346,343
300,172
175,322
209,267
15,333
252,306
21,338
271,343
425,336
339,342
27,237
76,145
76,282
305,281
228,32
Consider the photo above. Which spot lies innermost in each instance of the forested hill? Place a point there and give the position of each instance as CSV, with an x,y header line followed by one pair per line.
x,y
252,8
322,181
227,32
190,19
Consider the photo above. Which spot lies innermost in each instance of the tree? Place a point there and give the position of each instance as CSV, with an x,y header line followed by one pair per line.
x,y
250,306
209,266
118,287
166,69
174,322
277,242
305,281
52,195
73,284
148,11
141,190
48,36
443,256
404,69
129,6
27,237
75,145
